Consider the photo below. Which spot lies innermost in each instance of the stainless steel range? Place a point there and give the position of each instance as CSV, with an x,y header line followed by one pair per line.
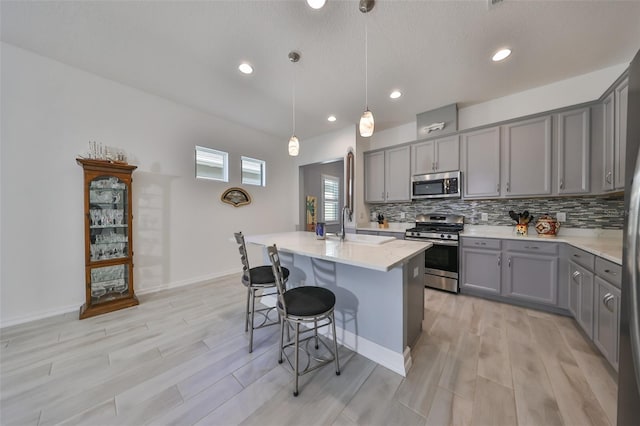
x,y
441,260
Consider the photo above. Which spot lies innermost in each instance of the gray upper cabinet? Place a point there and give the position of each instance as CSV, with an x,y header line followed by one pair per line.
x,y
481,163
526,164
374,177
620,138
531,271
435,156
397,177
573,137
387,175
608,132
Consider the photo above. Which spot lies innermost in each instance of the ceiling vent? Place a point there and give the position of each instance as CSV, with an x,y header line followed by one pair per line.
x,y
437,122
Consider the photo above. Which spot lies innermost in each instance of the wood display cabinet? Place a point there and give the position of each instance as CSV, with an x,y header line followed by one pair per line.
x,y
108,231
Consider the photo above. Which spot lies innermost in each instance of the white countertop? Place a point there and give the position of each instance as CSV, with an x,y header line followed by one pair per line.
x,y
604,243
381,257
393,227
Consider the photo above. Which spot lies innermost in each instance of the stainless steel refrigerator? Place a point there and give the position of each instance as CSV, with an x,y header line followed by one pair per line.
x,y
629,355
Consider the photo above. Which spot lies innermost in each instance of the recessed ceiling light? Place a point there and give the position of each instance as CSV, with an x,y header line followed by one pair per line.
x,y
501,54
245,68
395,94
331,118
316,4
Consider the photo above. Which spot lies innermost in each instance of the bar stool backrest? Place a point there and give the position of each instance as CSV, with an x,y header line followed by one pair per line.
x,y
272,251
242,248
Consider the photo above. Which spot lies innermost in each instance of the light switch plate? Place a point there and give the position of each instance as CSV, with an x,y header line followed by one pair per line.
x,y
403,215
484,216
561,217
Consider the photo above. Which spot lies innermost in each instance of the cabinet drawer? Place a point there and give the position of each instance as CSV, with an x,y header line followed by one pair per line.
x,y
487,243
609,271
581,257
534,247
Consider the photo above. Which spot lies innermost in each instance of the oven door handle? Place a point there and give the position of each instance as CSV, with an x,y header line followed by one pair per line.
x,y
434,242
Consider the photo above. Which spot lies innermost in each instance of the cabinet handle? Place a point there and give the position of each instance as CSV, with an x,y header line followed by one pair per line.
x,y
610,272
609,177
509,262
382,195
436,165
387,196
576,255
433,166
497,187
575,275
561,183
499,261
532,247
605,301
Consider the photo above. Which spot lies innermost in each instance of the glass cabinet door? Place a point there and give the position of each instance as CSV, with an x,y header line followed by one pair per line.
x,y
109,283
108,217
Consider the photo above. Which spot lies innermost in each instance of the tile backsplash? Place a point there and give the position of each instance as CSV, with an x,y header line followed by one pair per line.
x,y
582,212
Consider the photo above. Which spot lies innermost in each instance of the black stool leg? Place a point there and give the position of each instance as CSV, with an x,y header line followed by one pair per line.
x,y
335,343
282,325
246,315
253,309
315,324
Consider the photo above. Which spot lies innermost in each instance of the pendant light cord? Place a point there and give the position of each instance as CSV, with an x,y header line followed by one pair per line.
x,y
294,102
366,65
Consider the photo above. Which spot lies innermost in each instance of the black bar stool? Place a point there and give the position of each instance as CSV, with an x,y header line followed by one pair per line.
x,y
259,282
307,305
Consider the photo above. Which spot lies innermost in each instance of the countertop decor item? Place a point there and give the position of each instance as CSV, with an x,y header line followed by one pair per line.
x,y
547,226
522,221
236,197
311,204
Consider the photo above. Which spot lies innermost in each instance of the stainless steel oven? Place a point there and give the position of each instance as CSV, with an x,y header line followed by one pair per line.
x,y
441,260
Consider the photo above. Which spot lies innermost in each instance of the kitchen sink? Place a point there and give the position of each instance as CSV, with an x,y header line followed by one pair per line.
x,y
362,239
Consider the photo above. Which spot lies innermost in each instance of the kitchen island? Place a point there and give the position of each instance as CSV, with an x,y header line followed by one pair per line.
x,y
378,283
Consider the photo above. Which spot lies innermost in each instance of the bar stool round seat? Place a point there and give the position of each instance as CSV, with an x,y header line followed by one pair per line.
x,y
308,301
263,276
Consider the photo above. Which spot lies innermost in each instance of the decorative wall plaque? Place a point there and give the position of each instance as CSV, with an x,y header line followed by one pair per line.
x,y
236,197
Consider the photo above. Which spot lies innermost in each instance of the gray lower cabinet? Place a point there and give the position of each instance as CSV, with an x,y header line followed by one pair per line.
x,y
581,296
481,265
606,320
531,277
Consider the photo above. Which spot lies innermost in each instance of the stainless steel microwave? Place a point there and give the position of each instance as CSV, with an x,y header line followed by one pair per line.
x,y
436,185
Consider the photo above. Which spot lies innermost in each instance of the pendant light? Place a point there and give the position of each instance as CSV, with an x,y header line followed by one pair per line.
x,y
366,121
294,144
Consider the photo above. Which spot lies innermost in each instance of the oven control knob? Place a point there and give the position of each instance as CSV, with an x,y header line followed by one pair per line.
x,y
449,236
441,235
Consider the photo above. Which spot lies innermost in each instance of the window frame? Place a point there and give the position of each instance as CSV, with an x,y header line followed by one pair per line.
x,y
323,179
263,170
225,163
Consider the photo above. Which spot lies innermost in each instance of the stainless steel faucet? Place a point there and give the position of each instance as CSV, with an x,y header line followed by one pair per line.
x,y
342,231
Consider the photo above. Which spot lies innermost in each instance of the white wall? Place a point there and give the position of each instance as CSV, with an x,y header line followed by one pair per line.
x,y
576,90
181,229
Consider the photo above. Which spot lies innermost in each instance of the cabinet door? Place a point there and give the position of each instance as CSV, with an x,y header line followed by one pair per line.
x,y
581,296
481,163
481,270
447,154
526,163
423,158
608,143
620,138
374,177
573,152
606,324
531,277
397,174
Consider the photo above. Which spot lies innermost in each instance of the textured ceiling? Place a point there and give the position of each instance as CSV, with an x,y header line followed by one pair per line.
x,y
435,52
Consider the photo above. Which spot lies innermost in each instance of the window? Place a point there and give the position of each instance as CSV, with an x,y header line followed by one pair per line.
x,y
212,164
253,171
330,198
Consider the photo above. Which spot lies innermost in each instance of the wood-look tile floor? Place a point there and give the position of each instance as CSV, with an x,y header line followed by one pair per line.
x,y
181,357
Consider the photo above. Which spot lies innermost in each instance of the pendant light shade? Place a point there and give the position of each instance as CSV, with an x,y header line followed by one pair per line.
x,y
294,143
366,124
366,121
294,146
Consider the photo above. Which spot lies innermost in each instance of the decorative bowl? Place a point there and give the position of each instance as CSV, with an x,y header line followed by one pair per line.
x,y
547,226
